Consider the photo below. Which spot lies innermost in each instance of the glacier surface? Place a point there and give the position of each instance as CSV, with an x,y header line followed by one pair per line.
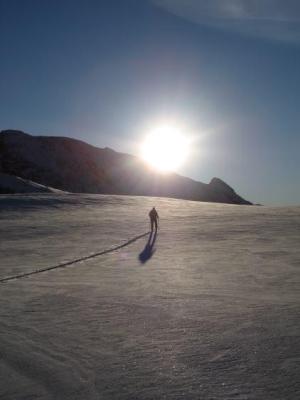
x,y
209,311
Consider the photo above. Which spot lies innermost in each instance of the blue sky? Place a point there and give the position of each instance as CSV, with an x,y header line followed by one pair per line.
x,y
105,71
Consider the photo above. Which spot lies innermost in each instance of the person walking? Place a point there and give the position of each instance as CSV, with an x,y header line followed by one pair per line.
x,y
153,215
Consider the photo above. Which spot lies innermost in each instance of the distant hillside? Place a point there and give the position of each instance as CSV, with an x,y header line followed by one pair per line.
x,y
74,166
15,184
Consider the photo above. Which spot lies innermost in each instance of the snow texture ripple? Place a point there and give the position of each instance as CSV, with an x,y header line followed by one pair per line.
x,y
212,311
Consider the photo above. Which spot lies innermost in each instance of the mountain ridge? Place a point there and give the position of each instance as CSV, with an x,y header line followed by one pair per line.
x,y
75,166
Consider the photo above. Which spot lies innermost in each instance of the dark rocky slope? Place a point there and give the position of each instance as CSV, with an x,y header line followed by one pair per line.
x,y
74,166
14,184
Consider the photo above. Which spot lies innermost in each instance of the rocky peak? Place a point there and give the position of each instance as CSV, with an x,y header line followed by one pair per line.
x,y
218,184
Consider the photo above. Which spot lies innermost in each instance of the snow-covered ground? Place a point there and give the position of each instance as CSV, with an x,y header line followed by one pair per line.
x,y
210,311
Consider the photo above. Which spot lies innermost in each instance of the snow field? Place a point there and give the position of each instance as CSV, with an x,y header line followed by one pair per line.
x,y
213,314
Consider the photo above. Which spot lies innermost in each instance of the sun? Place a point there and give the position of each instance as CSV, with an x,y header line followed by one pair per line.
x,y
165,148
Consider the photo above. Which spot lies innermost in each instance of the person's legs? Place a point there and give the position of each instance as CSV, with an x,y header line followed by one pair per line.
x,y
152,224
155,222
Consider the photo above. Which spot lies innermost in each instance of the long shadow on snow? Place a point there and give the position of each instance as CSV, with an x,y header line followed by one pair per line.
x,y
148,250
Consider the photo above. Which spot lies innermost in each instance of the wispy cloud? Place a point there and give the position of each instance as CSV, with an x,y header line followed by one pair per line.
x,y
272,19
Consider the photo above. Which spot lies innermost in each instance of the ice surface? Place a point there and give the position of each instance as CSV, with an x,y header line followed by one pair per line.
x,y
211,313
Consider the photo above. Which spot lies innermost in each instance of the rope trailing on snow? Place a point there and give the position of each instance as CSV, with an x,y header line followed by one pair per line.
x,y
68,263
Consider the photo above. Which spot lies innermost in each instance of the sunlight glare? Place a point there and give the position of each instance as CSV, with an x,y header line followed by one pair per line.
x,y
165,148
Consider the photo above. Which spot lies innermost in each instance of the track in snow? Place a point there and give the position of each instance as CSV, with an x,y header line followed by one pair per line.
x,y
72,262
